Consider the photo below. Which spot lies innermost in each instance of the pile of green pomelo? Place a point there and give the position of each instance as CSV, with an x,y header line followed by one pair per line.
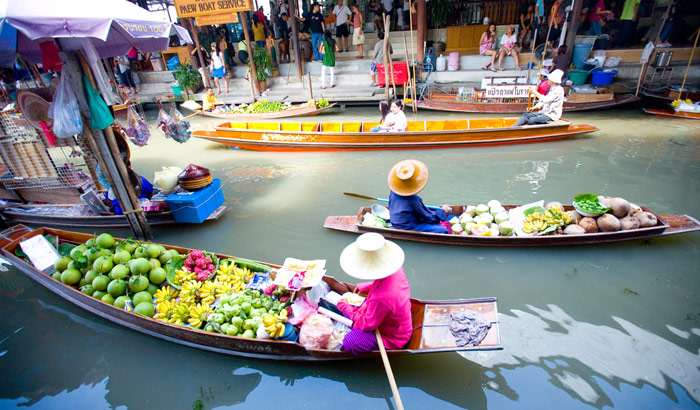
x,y
124,274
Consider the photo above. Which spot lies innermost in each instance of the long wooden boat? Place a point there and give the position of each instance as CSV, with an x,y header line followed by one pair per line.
x,y
670,112
12,214
667,225
344,136
297,111
574,102
430,318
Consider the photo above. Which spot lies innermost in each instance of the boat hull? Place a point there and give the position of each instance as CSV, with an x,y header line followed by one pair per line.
x,y
498,133
430,328
667,225
288,113
670,112
483,107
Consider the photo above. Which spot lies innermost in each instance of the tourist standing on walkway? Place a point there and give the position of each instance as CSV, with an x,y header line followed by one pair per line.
x,y
125,73
261,16
358,33
376,9
243,52
486,46
378,58
550,105
258,31
328,49
388,8
539,19
342,13
629,22
317,28
218,68
595,16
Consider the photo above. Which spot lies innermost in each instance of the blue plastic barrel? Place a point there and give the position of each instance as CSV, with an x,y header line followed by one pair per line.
x,y
581,52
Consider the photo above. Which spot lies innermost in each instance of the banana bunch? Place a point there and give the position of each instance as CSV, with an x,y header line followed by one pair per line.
x,y
274,325
234,276
181,314
558,214
190,291
538,222
182,276
199,314
212,290
166,294
165,310
535,222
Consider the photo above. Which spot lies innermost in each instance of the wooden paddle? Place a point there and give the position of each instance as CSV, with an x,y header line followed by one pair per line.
x,y
372,198
389,373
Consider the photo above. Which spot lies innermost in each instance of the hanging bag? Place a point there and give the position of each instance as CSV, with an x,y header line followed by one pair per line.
x,y
180,126
137,128
65,112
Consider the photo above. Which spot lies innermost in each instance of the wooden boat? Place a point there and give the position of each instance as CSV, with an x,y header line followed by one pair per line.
x,y
12,214
344,136
667,225
430,318
670,112
296,111
574,102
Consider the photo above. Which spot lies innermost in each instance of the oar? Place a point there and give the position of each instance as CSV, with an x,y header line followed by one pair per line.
x,y
389,373
372,198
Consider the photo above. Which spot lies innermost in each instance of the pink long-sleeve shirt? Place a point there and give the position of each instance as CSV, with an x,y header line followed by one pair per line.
x,y
387,308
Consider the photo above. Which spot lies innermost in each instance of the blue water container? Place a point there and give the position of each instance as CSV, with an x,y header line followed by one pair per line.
x,y
581,52
195,207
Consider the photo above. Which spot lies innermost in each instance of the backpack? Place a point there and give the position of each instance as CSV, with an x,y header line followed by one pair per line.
x,y
397,4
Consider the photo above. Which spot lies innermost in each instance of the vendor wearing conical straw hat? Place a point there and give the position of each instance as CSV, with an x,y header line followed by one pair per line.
x,y
406,179
388,303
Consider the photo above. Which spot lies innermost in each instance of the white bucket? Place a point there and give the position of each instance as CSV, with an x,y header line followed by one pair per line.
x,y
440,63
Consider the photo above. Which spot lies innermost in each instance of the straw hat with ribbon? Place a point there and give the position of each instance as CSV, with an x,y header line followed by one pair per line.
x,y
408,177
371,257
34,108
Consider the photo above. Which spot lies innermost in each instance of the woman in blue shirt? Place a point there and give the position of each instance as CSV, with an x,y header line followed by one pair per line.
x,y
407,210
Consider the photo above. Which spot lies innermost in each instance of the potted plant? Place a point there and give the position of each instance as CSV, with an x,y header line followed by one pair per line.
x,y
263,65
188,78
438,10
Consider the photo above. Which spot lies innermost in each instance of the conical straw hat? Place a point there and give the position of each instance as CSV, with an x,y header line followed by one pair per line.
x,y
371,257
408,177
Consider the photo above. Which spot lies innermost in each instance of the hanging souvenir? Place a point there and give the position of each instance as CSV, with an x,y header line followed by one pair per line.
x,y
137,128
180,127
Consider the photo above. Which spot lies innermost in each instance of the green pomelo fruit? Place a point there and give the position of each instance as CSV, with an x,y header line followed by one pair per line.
x,y
155,263
152,289
121,256
154,251
145,309
105,240
249,334
139,266
100,282
90,275
90,243
77,252
103,264
56,275
138,283
141,297
61,263
141,252
119,272
117,287
166,256
99,294
87,289
71,276
108,299
157,275
120,302
83,282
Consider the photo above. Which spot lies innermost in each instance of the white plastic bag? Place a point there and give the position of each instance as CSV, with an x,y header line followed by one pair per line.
x,y
65,112
167,178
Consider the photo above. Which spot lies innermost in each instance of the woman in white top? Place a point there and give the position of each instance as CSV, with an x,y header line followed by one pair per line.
x,y
218,68
508,43
397,117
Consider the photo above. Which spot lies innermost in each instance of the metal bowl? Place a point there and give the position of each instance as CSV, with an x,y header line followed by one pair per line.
x,y
381,211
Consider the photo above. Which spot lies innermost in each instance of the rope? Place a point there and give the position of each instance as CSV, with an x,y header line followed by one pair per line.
x,y
133,211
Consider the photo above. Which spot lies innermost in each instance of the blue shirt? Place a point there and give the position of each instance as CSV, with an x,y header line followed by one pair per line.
x,y
407,212
539,8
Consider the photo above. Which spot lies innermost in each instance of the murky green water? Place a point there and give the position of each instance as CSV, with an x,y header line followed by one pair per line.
x,y
612,326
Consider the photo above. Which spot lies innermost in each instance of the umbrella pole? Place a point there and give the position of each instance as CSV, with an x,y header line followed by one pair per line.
x,y
690,60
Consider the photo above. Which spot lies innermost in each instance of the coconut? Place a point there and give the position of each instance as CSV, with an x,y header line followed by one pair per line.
x,y
604,200
634,209
646,219
620,207
588,224
554,203
608,223
574,229
575,216
628,223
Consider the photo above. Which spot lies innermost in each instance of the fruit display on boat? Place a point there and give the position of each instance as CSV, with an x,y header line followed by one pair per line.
x,y
489,219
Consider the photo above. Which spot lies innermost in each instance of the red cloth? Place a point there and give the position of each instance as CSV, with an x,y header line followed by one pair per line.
x,y
132,53
387,308
49,135
593,13
543,88
49,56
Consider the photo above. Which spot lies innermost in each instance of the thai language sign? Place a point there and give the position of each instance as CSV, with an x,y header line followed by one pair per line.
x,y
139,29
507,91
196,8
216,19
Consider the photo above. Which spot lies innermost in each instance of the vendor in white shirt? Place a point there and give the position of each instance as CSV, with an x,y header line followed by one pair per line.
x,y
395,121
549,106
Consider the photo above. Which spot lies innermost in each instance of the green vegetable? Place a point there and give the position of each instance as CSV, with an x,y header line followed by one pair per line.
x,y
590,203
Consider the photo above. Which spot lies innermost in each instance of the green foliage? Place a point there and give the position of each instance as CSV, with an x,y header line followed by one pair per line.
x,y
187,77
263,63
438,10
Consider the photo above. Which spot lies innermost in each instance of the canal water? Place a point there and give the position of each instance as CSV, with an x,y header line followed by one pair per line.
x,y
591,327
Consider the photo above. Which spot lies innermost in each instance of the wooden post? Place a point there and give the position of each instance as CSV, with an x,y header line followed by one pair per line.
x,y
387,60
255,87
422,28
409,80
298,61
572,28
311,91
193,30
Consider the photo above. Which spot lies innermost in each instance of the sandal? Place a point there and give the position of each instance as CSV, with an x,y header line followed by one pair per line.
x,y
323,88
485,68
493,69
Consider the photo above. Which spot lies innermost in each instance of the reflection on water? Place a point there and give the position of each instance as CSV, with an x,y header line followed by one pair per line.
x,y
555,341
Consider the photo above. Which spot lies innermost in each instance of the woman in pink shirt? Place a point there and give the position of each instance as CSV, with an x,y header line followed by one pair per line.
x,y
388,303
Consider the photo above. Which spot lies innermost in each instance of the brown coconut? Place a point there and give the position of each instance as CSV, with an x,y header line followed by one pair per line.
x,y
620,207
608,223
554,203
588,224
575,216
646,219
574,229
628,223
634,209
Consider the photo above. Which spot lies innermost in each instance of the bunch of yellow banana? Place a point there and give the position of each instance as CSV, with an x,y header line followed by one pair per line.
x,y
274,325
225,272
181,313
166,293
534,222
199,314
182,276
190,291
165,310
558,214
211,290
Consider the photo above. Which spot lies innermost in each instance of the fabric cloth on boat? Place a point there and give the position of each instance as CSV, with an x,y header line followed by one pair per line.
x,y
409,212
387,308
468,328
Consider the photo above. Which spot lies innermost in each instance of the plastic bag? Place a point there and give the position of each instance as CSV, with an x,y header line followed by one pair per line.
x,y
302,309
65,112
336,340
317,292
179,127
163,121
136,128
101,117
316,332
167,178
